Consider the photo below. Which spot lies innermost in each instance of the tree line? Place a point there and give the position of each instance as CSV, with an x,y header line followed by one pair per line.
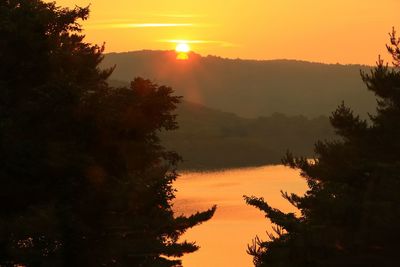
x,y
209,139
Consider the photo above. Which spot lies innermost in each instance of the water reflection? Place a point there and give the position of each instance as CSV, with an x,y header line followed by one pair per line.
x,y
224,239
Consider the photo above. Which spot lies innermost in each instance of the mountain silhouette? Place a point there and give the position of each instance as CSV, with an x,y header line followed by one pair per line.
x,y
249,88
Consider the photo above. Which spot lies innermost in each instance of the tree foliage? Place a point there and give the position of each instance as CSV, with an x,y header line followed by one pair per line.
x,y
350,213
84,180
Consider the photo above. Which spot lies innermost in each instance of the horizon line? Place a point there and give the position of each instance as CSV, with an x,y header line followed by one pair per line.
x,y
242,59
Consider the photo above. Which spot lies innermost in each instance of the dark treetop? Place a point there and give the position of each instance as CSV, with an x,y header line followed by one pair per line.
x,y
84,180
351,212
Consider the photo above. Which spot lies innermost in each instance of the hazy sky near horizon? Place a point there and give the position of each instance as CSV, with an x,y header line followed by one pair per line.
x,y
330,31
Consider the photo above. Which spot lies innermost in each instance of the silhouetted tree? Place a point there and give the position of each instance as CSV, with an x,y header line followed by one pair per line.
x,y
84,180
350,215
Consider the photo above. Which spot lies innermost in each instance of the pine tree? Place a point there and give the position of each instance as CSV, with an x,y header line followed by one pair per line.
x,y
350,214
84,180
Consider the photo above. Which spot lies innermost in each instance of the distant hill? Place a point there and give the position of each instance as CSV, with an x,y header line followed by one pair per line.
x,y
211,139
250,88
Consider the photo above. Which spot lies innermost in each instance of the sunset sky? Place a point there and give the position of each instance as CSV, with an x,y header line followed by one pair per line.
x,y
331,31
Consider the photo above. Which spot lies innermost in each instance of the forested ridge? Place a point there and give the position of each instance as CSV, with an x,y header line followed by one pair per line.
x,y
250,88
210,139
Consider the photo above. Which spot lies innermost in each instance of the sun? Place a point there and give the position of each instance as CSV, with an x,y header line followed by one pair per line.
x,y
182,48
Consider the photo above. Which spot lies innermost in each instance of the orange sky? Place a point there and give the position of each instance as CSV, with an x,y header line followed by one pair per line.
x,y
344,31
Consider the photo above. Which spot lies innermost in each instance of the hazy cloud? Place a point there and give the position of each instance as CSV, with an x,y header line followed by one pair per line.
x,y
177,15
139,25
221,43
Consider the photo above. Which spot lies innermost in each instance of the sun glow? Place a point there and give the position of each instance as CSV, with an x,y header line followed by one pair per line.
x,y
182,56
182,49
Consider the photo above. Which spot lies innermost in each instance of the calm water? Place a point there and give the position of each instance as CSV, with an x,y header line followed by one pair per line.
x,y
223,240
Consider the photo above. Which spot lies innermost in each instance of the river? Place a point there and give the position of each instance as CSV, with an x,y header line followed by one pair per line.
x,y
223,240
